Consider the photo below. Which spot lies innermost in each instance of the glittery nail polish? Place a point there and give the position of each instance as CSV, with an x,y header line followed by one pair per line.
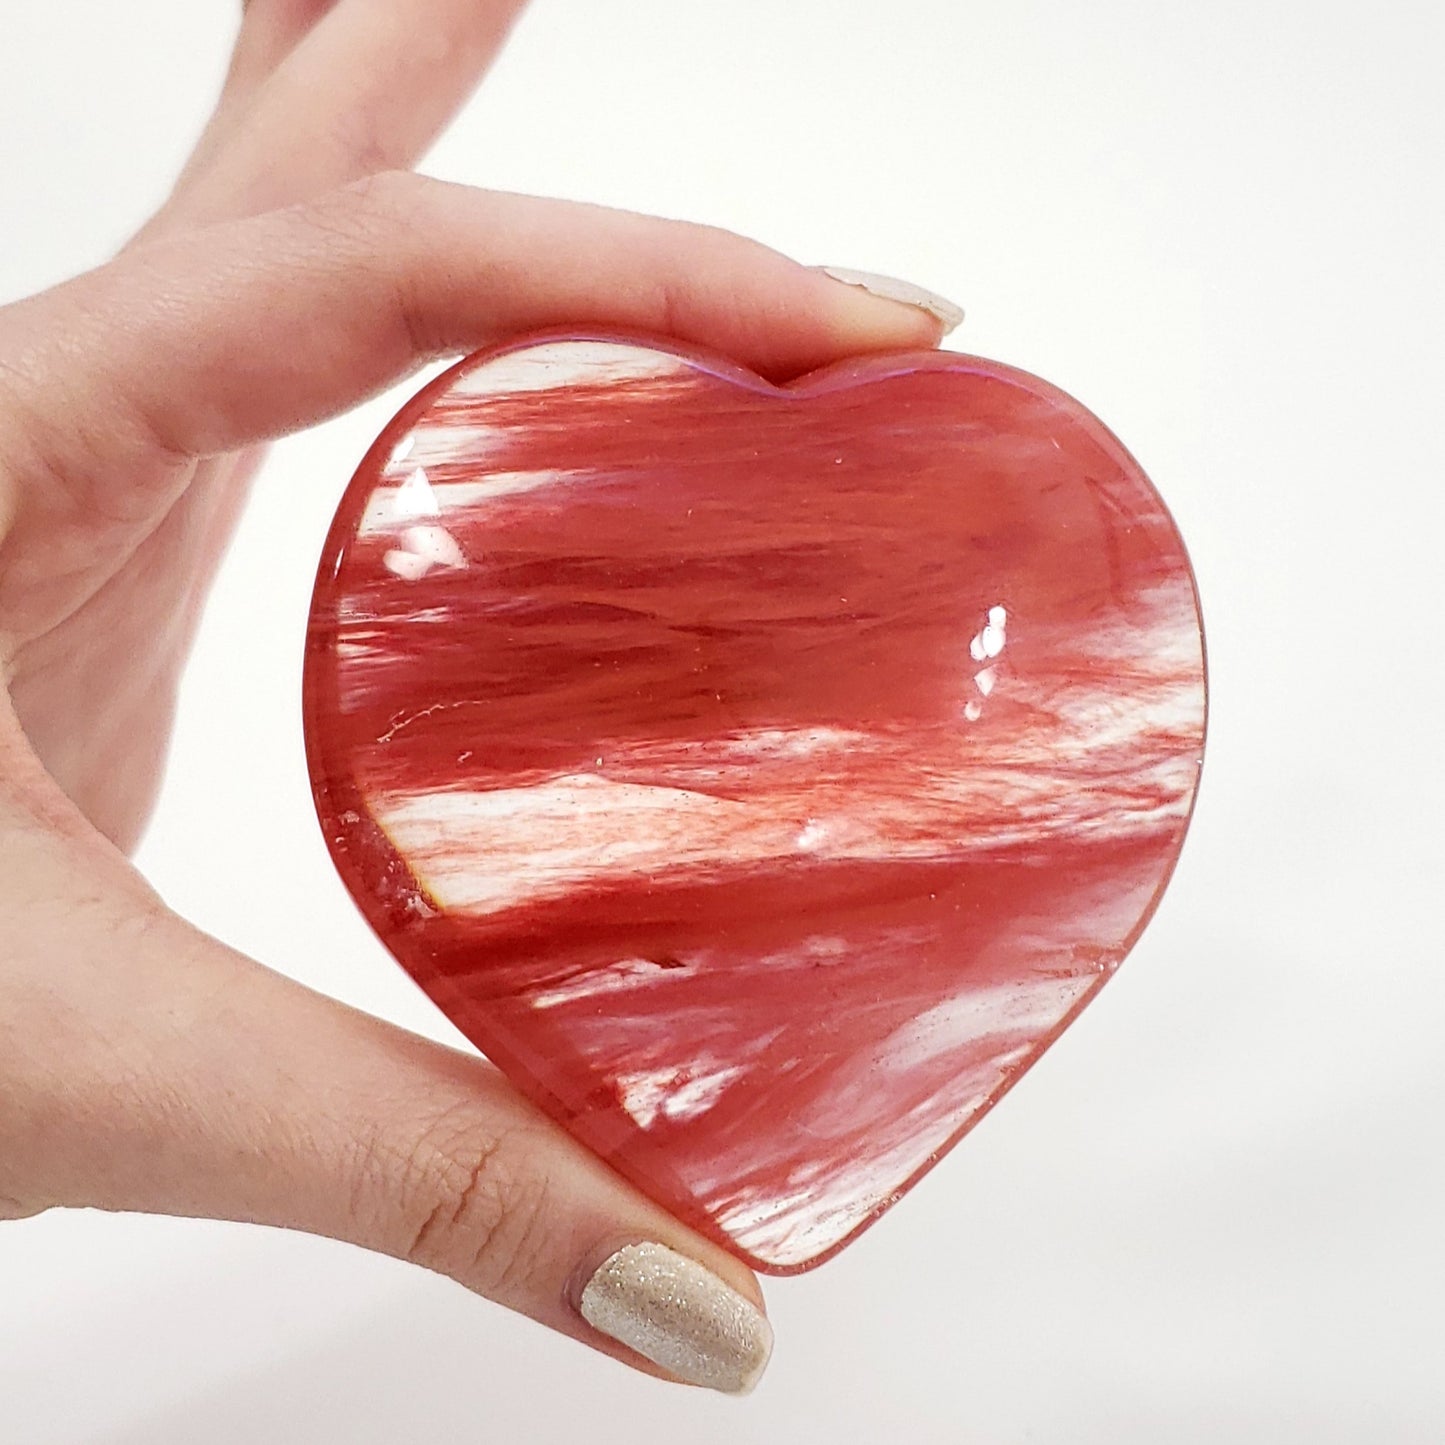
x,y
680,1316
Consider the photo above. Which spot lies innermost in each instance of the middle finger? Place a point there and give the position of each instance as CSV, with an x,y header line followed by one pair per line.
x,y
368,87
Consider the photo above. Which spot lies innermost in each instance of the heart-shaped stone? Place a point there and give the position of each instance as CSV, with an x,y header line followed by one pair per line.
x,y
762,777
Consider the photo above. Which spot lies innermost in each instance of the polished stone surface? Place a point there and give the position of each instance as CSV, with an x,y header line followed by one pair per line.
x,y
762,777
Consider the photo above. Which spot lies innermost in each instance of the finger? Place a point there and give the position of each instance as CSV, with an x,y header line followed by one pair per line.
x,y
228,336
350,88
270,31
148,1068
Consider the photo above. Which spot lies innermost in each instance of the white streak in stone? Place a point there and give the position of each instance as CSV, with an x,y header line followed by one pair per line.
x,y
628,973
388,508
438,446
676,1094
568,364
1021,1010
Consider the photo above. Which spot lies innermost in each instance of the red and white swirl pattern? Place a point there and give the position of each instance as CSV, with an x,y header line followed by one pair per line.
x,y
762,777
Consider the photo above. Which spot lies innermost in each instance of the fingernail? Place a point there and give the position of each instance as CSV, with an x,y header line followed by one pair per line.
x,y
890,288
680,1316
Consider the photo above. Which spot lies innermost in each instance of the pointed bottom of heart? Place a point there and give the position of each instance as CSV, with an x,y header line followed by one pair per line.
x,y
785,1066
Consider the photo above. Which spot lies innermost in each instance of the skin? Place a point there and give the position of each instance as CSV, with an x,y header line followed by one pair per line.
x,y
298,267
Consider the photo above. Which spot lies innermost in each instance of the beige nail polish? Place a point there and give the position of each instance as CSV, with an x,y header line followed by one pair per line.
x,y
890,288
680,1316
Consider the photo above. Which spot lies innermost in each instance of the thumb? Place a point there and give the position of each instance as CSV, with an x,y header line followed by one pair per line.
x,y
145,1066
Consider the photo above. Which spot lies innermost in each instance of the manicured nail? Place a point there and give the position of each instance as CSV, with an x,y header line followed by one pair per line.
x,y
890,288
680,1316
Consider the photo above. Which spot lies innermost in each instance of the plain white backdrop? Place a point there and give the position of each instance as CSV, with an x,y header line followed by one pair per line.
x,y
1215,1210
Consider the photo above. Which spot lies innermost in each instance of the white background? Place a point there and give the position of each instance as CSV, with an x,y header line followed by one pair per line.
x,y
1214,1211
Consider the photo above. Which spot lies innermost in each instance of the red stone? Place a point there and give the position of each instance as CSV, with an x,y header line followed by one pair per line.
x,y
762,777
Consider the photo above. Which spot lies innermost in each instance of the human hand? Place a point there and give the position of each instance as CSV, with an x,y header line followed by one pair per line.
x,y
296,269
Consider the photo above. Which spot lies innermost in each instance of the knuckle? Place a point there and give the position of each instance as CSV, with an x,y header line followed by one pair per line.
x,y
359,142
373,224
357,216
474,1203
382,196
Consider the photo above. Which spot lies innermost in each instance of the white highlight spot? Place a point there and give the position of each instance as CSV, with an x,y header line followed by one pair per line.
x,y
414,497
423,548
436,544
406,565
990,640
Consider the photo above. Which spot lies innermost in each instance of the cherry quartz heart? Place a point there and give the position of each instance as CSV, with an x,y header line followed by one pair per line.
x,y
762,777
